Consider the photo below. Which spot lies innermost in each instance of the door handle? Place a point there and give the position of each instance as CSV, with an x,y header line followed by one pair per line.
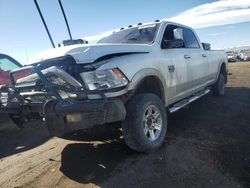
x,y
204,55
187,56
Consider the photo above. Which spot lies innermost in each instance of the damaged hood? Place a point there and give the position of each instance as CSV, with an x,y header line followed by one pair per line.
x,y
90,53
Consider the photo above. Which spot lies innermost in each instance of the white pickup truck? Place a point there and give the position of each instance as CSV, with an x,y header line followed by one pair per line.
x,y
136,75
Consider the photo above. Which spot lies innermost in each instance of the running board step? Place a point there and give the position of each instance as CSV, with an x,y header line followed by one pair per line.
x,y
187,101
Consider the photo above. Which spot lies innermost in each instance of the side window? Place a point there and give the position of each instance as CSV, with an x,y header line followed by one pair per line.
x,y
190,39
6,64
172,32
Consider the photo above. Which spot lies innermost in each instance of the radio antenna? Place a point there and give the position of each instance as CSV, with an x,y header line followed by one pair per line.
x,y
44,23
66,21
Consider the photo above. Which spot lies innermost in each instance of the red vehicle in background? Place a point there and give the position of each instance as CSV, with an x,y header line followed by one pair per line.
x,y
7,64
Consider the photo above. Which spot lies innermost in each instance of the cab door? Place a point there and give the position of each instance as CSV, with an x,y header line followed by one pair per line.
x,y
196,59
173,64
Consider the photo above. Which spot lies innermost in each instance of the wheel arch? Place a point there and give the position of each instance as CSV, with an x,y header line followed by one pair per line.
x,y
145,78
222,68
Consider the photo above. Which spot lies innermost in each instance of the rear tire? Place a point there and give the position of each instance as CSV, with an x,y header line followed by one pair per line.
x,y
145,126
219,87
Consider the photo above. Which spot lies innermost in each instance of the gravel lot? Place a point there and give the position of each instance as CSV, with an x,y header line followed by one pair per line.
x,y
208,145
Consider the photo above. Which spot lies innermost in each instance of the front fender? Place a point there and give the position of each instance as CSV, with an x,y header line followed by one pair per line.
x,y
143,74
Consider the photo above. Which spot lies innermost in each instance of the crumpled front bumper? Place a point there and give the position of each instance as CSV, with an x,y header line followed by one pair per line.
x,y
62,115
65,117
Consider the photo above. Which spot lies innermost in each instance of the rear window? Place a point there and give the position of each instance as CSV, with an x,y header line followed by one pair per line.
x,y
190,39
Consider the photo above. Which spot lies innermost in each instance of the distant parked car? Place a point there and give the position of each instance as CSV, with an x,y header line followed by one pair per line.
x,y
7,64
245,55
231,56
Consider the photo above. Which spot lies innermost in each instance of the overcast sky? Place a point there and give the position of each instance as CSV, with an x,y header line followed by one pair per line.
x,y
223,23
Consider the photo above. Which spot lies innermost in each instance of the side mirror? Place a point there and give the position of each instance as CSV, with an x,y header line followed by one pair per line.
x,y
206,46
177,43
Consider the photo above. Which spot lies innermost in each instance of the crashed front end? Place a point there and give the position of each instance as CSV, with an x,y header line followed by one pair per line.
x,y
64,94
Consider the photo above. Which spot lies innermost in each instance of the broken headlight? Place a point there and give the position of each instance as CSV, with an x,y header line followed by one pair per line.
x,y
104,79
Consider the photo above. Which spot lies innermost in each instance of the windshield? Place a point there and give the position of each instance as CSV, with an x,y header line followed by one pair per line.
x,y
144,34
7,65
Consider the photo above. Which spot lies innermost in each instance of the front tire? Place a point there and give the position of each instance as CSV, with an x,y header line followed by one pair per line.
x,y
145,126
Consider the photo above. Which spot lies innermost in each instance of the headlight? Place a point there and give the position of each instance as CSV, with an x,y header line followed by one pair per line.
x,y
104,79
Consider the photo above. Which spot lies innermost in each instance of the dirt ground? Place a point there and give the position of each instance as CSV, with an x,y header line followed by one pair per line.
x,y
208,145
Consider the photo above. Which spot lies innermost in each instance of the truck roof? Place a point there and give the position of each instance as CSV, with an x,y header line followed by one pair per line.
x,y
156,21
